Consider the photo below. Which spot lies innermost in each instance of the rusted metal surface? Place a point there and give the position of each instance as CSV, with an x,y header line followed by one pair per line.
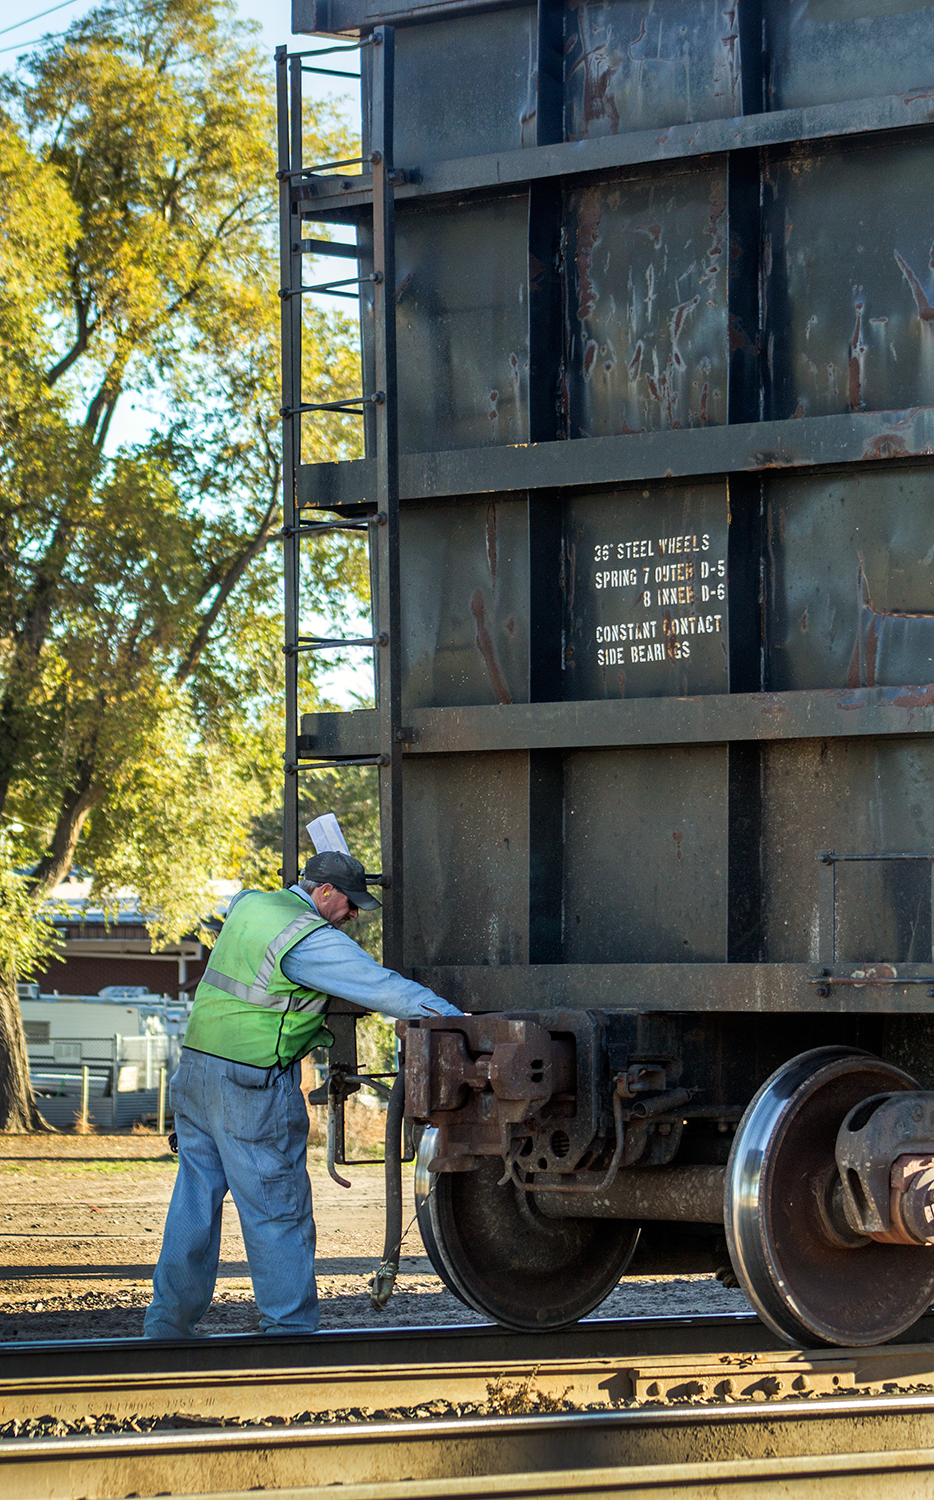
x,y
337,198
630,65
819,50
486,103
645,305
822,795
911,1193
464,594
462,329
754,989
853,597
674,802
480,857
847,330
824,715
493,1084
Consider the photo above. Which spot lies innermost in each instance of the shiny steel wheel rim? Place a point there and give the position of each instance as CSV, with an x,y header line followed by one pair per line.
x,y
806,1289
425,1183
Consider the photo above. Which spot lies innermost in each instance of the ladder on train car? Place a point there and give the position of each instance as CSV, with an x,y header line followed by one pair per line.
x,y
296,189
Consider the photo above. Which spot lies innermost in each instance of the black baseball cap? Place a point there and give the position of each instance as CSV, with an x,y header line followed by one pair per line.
x,y
343,872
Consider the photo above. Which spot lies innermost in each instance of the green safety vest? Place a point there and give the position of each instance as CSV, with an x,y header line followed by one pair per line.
x,y
245,1008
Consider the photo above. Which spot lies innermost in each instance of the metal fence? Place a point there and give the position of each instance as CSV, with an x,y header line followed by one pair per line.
x,y
104,1082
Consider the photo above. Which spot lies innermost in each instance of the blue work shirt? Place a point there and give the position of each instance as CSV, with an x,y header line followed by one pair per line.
x,y
330,961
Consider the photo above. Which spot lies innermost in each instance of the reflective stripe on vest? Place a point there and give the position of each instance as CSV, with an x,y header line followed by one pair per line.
x,y
256,1014
257,994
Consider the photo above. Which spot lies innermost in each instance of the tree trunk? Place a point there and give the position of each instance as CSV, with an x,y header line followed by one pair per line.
x,y
23,667
77,803
18,1112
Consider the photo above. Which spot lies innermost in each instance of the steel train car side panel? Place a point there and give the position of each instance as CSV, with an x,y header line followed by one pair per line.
x,y
664,309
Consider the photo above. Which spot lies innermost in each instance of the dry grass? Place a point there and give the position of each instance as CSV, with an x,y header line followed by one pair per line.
x,y
511,1398
364,1128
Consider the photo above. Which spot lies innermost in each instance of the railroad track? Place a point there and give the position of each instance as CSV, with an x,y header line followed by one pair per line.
x,y
590,1339
512,1385
659,1421
594,1338
826,1478
587,1453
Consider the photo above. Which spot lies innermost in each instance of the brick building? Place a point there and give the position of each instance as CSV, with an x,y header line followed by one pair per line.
x,y
98,952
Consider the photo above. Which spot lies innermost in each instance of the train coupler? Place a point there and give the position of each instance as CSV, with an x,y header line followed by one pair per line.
x,y
539,1092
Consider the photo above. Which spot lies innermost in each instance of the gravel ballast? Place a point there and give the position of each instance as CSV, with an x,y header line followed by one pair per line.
x,y
81,1222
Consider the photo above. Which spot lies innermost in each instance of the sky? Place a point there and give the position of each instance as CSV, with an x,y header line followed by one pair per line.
x,y
23,24
274,18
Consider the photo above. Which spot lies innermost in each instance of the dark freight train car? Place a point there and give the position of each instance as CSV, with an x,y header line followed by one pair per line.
x,y
647,292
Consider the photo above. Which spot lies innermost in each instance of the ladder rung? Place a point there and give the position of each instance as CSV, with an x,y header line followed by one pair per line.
x,y
374,158
365,41
308,527
332,73
314,187
293,766
324,643
350,640
325,286
353,404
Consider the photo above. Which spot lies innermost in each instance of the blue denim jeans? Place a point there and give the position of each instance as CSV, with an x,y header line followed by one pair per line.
x,y
244,1129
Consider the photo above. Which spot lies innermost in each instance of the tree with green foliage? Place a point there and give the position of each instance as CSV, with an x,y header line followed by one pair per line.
x,y
140,623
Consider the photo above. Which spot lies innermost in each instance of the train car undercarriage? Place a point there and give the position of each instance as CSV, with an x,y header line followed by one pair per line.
x,y
552,1141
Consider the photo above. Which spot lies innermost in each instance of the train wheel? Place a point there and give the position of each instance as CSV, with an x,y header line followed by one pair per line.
x,y
507,1261
811,1283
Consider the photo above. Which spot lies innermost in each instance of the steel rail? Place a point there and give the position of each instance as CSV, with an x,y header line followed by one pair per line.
x,y
208,1461
224,1395
864,1476
592,1338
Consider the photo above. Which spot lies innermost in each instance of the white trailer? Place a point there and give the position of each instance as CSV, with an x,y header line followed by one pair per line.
x,y
98,1049
65,1030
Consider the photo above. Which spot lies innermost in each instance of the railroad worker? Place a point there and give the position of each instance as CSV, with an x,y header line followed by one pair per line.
x,y
240,1118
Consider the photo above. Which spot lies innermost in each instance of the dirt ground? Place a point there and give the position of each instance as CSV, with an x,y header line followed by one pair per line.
x,y
81,1221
